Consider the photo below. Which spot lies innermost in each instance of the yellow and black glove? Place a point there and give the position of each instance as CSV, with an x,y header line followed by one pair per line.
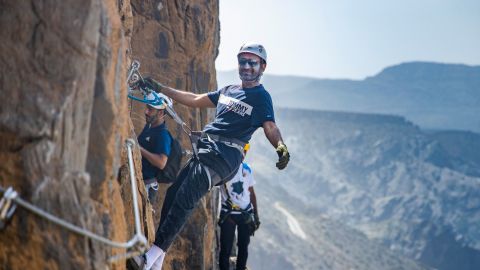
x,y
283,156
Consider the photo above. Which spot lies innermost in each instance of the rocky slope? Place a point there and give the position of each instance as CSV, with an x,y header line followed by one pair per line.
x,y
65,117
296,236
381,175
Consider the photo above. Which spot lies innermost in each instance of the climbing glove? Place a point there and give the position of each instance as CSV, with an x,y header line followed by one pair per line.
x,y
254,223
152,84
257,222
283,156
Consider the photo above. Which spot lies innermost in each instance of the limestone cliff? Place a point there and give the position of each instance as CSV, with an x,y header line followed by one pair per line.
x,y
64,119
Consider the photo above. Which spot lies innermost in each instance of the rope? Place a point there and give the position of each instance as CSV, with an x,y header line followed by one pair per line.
x,y
138,241
138,230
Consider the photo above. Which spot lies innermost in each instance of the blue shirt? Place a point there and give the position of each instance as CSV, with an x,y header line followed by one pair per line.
x,y
156,140
240,111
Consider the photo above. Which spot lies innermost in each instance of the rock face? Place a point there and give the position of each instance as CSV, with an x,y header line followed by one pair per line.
x,y
176,43
64,119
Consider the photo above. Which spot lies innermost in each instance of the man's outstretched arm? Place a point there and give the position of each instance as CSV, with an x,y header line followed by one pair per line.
x,y
183,97
273,135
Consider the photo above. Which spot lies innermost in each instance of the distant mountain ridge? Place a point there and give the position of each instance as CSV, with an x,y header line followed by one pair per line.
x,y
433,95
427,71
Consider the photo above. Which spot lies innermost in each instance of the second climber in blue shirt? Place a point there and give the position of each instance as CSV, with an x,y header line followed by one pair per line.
x,y
155,141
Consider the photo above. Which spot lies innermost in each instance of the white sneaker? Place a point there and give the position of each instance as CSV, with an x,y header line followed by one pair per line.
x,y
157,265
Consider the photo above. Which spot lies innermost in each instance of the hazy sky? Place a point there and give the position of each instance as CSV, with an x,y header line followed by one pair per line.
x,y
350,39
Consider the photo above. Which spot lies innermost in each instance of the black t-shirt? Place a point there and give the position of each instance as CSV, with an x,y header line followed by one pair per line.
x,y
240,111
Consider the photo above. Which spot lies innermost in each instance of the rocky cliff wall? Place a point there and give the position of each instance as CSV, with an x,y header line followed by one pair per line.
x,y
176,43
64,118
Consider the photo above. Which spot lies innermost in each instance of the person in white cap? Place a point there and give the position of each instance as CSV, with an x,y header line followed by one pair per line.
x,y
240,111
155,143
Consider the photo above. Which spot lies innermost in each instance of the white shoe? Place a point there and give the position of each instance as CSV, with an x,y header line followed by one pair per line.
x,y
157,265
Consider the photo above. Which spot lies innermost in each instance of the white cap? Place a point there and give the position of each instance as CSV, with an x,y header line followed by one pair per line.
x,y
157,102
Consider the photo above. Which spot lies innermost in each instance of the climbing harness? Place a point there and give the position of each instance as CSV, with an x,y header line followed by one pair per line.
x,y
138,243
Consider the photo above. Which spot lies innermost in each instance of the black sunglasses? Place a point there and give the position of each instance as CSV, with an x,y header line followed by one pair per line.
x,y
243,62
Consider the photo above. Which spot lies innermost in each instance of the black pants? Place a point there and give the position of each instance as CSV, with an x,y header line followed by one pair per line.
x,y
191,185
227,234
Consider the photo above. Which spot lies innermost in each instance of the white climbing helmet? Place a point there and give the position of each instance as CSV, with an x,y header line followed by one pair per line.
x,y
254,48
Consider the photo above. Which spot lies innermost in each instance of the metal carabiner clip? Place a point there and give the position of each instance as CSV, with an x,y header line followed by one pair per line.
x,y
7,207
